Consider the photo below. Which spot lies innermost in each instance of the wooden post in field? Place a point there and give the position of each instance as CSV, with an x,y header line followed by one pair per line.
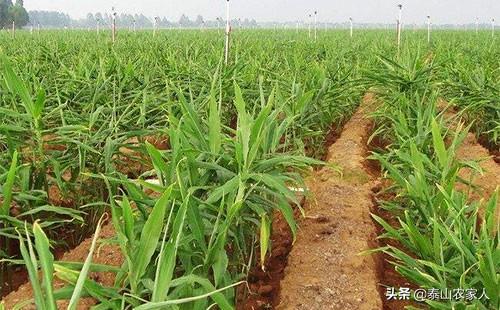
x,y
134,25
228,32
13,29
113,26
428,29
400,6
350,22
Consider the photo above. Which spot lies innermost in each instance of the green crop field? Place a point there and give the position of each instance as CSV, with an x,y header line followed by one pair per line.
x,y
190,160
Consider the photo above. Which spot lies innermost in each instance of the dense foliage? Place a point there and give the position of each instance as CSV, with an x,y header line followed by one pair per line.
x,y
10,12
447,240
193,159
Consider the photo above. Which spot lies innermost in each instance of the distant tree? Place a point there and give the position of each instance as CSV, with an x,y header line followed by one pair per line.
x,y
199,21
5,6
53,19
126,20
90,18
19,14
184,21
98,17
164,22
143,21
107,18
50,19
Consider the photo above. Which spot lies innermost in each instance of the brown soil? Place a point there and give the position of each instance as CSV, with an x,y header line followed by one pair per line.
x,y
388,275
493,148
264,284
18,275
67,236
332,136
325,270
50,143
105,253
131,161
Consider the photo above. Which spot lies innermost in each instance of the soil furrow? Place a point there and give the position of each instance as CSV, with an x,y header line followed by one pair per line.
x,y
325,270
486,182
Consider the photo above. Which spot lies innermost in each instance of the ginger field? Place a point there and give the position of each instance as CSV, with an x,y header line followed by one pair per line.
x,y
304,174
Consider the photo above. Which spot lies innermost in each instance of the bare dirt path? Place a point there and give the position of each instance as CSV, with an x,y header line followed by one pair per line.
x,y
106,254
324,269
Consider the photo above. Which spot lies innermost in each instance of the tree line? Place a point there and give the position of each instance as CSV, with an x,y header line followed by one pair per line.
x,y
13,12
52,19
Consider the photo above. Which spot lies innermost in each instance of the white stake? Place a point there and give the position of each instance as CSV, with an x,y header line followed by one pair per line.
x,y
228,31
13,29
350,22
113,26
155,25
309,23
315,25
297,28
492,27
428,29
134,25
38,28
400,6
477,25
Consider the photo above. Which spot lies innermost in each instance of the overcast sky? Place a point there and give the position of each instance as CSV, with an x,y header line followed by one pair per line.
x,y
370,11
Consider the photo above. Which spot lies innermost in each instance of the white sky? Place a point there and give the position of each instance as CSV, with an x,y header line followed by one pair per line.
x,y
370,11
